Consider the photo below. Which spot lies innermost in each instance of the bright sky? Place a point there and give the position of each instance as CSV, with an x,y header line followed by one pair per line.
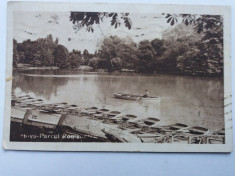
x,y
33,25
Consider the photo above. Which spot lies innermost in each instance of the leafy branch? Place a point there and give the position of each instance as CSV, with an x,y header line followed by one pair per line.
x,y
88,19
202,23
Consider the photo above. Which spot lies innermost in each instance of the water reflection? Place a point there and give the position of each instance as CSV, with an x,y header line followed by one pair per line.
x,y
190,100
39,86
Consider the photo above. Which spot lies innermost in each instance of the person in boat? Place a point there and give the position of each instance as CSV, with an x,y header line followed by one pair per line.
x,y
146,94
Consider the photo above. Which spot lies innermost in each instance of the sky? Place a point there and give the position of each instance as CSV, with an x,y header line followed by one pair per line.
x,y
34,25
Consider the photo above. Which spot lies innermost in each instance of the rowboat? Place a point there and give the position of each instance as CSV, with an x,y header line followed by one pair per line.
x,y
129,117
113,113
177,126
150,121
134,97
216,137
22,105
142,125
128,121
100,111
98,116
198,130
119,135
53,108
25,98
91,108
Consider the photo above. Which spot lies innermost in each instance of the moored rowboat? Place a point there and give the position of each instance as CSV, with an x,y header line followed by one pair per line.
x,y
198,130
150,121
177,126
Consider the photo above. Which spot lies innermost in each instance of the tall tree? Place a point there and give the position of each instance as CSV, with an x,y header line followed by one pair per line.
x,y
61,56
15,53
206,56
115,47
177,40
75,58
146,57
86,57
158,46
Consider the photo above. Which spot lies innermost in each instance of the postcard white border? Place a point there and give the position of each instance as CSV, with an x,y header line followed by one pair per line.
x,y
132,8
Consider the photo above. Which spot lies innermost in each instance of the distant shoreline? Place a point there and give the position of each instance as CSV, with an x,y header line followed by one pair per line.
x,y
105,71
29,67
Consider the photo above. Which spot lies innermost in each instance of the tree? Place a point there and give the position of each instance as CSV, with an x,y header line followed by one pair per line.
x,y
208,51
37,53
86,57
94,62
158,46
202,23
25,47
61,56
21,56
88,19
75,58
116,63
205,58
46,56
115,47
177,40
180,33
37,61
15,53
146,59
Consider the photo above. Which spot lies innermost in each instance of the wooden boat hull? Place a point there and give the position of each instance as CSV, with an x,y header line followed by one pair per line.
x,y
134,97
198,130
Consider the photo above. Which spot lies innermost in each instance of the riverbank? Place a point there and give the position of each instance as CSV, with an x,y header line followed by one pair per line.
x,y
90,70
30,67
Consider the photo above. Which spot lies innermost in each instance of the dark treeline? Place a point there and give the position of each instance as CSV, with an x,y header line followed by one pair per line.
x,y
45,52
180,51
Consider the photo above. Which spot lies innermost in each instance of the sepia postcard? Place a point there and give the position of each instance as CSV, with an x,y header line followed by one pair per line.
x,y
118,77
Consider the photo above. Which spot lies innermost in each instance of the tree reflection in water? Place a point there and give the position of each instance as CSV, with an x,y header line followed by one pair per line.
x,y
40,86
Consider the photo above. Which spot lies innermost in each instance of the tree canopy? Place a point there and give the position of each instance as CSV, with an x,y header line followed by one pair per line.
x,y
202,23
44,52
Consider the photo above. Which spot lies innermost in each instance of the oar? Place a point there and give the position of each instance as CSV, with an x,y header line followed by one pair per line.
x,y
138,98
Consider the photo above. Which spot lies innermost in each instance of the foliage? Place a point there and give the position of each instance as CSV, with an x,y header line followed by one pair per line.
x,y
116,63
94,62
115,47
203,54
205,58
45,52
192,47
61,56
37,53
88,19
74,60
177,40
16,57
86,57
158,46
146,56
201,23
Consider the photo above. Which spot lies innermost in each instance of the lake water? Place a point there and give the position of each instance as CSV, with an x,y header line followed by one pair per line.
x,y
190,100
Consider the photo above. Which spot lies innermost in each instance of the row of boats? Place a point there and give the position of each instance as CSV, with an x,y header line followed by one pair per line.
x,y
113,123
